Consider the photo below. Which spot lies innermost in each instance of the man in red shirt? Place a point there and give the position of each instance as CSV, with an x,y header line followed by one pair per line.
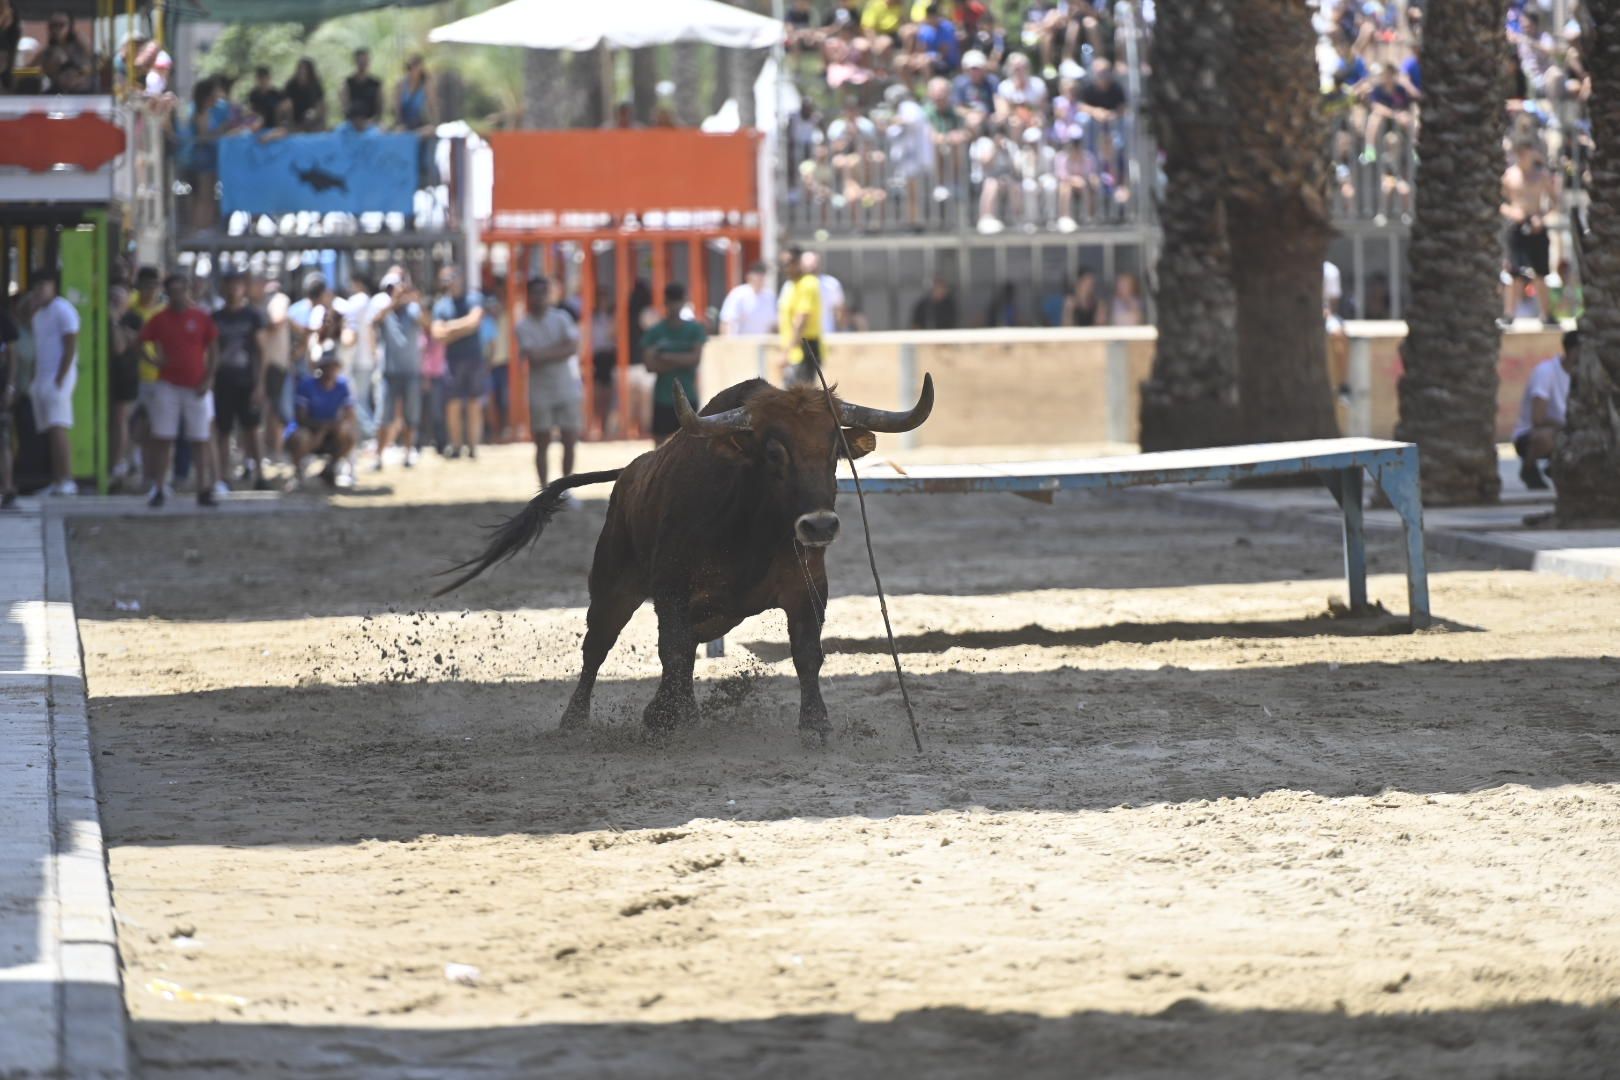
x,y
184,336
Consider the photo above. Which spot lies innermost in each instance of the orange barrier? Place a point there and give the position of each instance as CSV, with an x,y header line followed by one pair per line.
x,y
624,172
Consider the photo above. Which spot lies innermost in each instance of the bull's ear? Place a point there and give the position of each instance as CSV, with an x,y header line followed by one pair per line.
x,y
861,441
737,447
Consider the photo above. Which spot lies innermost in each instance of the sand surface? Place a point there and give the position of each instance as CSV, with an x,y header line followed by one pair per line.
x,y
1171,819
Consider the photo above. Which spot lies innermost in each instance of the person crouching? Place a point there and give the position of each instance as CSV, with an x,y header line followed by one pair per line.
x,y
324,423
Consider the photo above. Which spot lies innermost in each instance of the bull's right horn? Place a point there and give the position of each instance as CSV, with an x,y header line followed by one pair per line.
x,y
883,420
707,427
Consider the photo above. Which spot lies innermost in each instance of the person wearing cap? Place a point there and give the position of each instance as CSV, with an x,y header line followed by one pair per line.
x,y
975,89
324,423
186,342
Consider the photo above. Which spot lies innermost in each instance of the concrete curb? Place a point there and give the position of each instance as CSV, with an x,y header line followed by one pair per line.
x,y
93,1035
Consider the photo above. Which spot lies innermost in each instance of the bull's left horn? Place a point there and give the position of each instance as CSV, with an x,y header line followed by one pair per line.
x,y
889,422
707,427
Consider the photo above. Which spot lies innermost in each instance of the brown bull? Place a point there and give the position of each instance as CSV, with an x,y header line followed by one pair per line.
x,y
725,520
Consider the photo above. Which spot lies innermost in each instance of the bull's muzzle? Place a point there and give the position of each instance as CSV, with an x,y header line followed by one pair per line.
x,y
816,529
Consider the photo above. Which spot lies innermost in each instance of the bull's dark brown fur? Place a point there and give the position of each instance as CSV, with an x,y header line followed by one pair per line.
x,y
704,527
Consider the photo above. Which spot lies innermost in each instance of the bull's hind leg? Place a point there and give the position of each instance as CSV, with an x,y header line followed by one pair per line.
x,y
608,613
675,702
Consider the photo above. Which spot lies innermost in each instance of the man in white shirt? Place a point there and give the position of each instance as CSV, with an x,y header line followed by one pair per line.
x,y
1541,415
749,309
56,372
549,341
361,309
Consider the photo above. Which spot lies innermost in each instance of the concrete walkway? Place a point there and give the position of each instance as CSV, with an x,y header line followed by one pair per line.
x,y
61,1003
1496,533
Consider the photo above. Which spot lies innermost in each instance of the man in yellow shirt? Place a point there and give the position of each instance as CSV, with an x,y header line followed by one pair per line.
x,y
882,21
800,318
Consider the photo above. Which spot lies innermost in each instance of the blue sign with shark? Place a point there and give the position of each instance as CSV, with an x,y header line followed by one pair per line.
x,y
343,172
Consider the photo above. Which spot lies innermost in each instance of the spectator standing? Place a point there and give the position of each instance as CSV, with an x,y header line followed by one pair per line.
x,y
673,348
187,356
494,337
10,36
937,310
435,391
457,315
748,309
56,372
278,350
9,336
306,98
549,342
200,152
1529,194
267,101
400,327
65,60
605,364
360,310
361,94
413,106
125,353
239,390
801,319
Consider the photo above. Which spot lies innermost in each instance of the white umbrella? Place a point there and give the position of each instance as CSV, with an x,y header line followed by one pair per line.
x,y
582,25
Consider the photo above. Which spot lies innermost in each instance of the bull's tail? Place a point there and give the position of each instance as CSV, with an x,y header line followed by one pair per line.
x,y
523,528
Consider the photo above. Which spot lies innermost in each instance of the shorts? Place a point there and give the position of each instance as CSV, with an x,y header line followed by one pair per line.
x,y
124,381
1527,251
468,379
567,417
275,386
407,391
664,420
53,405
607,396
326,447
233,401
169,405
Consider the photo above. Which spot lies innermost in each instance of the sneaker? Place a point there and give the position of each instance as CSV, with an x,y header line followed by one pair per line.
x,y
411,457
155,499
1504,323
1530,473
221,488
1551,322
377,465
1067,224
329,474
1369,155
66,487
205,497
8,501
453,453
989,226
472,453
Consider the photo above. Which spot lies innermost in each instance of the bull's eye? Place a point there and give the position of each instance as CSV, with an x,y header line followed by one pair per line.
x,y
776,454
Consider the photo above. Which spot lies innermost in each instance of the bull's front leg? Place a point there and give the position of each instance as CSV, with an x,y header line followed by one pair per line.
x,y
674,703
805,614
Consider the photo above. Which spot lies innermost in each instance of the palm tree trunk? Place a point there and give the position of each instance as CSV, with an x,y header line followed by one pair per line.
x,y
1448,388
1587,464
644,82
547,102
1191,397
687,74
1278,225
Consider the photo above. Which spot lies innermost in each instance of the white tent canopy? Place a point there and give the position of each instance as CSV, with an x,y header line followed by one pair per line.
x,y
581,25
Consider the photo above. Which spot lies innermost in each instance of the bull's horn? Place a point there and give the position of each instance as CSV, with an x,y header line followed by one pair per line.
x,y
889,422
707,427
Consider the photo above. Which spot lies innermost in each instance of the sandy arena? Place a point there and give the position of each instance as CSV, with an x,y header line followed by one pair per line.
x,y
1172,818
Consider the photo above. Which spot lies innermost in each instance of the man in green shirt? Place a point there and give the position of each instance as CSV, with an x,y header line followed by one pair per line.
x,y
672,348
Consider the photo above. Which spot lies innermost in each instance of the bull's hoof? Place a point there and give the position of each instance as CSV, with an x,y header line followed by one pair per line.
x,y
812,738
574,718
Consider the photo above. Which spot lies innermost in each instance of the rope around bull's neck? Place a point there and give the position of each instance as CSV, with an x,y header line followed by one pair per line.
x,y
871,556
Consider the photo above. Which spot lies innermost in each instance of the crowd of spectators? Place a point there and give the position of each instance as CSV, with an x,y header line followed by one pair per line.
x,y
911,110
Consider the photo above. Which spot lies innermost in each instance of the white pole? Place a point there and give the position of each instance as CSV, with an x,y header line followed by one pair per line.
x,y
774,148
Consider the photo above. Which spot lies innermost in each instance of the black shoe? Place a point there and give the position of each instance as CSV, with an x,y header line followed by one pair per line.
x,y
1530,473
1550,322
205,497
453,453
260,483
8,501
472,453
155,500
329,474
1504,324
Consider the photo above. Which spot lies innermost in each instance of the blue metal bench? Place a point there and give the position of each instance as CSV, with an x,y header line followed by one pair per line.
x,y
1338,462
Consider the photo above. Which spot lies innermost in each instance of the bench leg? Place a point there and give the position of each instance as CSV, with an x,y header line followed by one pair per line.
x,y
1346,487
1400,482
